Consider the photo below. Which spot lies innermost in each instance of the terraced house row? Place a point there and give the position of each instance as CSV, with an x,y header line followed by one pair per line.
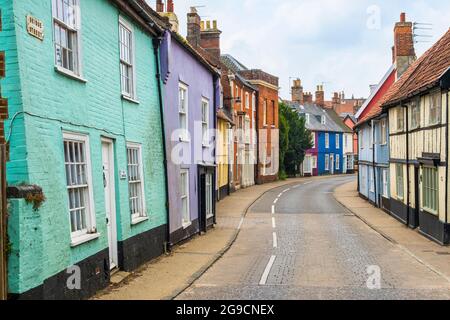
x,y
121,135
404,137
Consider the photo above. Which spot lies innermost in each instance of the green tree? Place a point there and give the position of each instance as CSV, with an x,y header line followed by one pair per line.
x,y
296,139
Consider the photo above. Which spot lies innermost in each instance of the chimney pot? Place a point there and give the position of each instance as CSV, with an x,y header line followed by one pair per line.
x,y
215,24
403,17
208,25
159,6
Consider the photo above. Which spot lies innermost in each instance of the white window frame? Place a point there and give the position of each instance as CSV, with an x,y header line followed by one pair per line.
x,y
75,30
323,120
383,133
313,136
385,183
79,236
327,141
400,119
185,222
338,143
205,122
247,100
430,184
400,183
307,119
338,162
184,133
327,162
307,164
371,180
209,205
128,64
438,107
415,114
314,162
140,215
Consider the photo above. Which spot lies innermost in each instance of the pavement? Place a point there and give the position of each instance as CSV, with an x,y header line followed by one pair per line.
x,y
166,277
432,255
298,239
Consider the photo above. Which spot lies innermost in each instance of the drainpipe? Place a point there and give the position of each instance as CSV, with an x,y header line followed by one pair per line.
x,y
407,163
373,162
216,78
445,85
446,157
156,46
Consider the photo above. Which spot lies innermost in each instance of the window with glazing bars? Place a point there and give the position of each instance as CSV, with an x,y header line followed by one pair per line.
x,y
415,114
183,111
65,25
400,181
126,60
77,186
205,122
209,195
435,108
430,187
135,182
184,192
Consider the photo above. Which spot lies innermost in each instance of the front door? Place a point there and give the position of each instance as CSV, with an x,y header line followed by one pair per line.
x,y
414,222
332,164
110,207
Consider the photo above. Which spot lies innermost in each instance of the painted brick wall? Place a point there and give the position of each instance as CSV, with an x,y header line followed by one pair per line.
x,y
53,103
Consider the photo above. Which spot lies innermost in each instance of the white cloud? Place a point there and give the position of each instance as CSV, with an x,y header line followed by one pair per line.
x,y
318,40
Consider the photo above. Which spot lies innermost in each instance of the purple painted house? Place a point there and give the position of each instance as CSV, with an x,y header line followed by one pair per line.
x,y
191,97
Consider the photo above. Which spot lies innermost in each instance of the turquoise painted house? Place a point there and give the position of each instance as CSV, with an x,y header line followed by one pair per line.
x,y
84,129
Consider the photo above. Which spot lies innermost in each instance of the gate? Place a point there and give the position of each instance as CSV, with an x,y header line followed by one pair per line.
x,y
3,227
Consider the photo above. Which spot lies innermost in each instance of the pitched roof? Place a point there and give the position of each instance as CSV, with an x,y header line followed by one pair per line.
x,y
235,66
339,121
315,113
232,63
377,98
423,74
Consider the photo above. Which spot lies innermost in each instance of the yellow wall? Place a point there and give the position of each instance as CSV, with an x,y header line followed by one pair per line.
x,y
222,153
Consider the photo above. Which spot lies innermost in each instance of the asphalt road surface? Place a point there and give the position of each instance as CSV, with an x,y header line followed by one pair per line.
x,y
298,242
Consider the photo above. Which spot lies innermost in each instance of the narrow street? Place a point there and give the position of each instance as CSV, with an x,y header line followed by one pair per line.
x,y
298,242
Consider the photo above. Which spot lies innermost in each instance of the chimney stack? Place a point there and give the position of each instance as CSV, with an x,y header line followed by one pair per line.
x,y
170,6
159,6
336,99
194,30
308,98
210,39
403,52
297,91
320,96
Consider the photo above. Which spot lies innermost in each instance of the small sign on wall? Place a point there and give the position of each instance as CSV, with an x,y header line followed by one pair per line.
x,y
35,27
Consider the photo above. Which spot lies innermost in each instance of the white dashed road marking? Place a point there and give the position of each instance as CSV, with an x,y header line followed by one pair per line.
x,y
273,223
266,273
275,240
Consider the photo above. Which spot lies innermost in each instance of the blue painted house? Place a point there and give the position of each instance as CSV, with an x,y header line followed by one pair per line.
x,y
326,155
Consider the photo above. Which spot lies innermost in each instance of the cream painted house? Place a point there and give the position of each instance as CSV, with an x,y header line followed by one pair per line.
x,y
417,106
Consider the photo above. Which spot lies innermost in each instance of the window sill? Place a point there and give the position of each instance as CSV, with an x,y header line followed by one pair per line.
x,y
129,99
84,239
69,74
139,220
209,216
187,225
184,140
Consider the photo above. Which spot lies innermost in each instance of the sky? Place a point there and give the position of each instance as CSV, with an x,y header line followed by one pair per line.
x,y
344,45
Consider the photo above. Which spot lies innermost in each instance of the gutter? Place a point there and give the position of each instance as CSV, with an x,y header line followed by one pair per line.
x,y
156,46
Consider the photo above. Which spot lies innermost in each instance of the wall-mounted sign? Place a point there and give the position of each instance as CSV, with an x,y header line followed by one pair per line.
x,y
35,27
